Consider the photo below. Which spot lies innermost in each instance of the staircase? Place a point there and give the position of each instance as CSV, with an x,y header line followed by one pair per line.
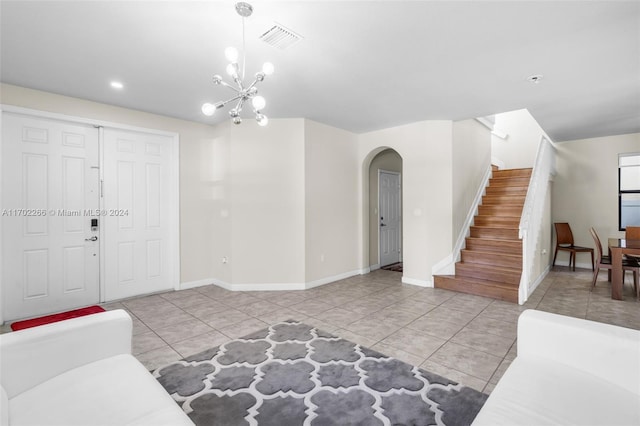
x,y
491,262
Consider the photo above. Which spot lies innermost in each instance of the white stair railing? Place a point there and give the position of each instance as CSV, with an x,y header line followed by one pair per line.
x,y
533,214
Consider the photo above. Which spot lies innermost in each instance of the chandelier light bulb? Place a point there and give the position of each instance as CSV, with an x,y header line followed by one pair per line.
x,y
258,103
231,53
208,109
217,79
237,120
262,120
232,70
268,68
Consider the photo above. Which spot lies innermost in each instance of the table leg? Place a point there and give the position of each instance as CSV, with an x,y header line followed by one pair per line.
x,y
616,273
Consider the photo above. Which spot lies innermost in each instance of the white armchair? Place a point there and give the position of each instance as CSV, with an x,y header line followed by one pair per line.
x,y
80,372
568,371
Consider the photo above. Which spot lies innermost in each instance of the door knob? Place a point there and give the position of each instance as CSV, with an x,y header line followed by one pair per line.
x,y
94,238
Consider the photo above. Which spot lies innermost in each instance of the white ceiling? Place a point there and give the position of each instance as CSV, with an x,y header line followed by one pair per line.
x,y
361,66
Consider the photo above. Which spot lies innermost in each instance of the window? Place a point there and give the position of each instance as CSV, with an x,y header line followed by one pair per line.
x,y
629,190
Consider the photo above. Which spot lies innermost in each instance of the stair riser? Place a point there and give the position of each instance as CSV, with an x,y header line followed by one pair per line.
x,y
491,259
476,289
497,221
512,173
472,271
512,200
513,181
506,190
500,210
508,247
496,233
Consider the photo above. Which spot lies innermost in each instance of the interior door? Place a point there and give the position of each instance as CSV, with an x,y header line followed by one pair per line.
x,y
390,217
50,194
137,205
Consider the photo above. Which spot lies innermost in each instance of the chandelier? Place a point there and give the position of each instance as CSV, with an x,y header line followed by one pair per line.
x,y
242,92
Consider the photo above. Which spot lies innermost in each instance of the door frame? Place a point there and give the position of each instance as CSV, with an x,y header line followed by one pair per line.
x,y
380,171
173,190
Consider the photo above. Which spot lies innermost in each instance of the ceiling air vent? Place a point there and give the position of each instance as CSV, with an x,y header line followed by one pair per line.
x,y
280,37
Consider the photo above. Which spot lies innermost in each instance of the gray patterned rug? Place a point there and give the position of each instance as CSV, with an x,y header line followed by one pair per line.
x,y
294,374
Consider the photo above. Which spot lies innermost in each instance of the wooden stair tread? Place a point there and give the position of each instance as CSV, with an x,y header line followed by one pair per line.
x,y
501,183
493,253
498,268
512,172
492,240
492,244
500,233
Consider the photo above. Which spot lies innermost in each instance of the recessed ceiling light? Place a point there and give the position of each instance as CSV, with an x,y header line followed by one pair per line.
x,y
535,78
117,85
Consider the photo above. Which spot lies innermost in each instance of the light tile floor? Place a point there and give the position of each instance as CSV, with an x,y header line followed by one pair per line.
x,y
466,338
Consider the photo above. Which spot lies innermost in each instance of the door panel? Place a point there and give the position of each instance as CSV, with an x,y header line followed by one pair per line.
x,y
137,172
50,188
390,217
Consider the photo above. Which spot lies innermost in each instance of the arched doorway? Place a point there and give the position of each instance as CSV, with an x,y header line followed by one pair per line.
x,y
385,210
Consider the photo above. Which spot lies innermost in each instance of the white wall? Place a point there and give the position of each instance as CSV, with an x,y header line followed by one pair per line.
x,y
426,151
267,180
332,220
585,189
544,252
390,161
519,149
471,162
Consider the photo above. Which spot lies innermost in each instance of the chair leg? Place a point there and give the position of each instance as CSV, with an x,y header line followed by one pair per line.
x,y
573,256
592,263
554,258
595,277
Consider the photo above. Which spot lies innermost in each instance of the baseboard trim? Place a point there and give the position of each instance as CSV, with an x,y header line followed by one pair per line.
x,y
419,283
327,280
194,284
537,282
271,286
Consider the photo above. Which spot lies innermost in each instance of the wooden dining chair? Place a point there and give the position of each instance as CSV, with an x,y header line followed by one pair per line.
x,y
604,262
564,242
632,233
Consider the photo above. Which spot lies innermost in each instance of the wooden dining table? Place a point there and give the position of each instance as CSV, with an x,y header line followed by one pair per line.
x,y
618,247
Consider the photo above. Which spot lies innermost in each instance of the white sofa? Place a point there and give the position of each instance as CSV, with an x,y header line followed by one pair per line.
x,y
80,372
568,372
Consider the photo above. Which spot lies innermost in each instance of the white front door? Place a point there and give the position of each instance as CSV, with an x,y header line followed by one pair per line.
x,y
390,217
138,204
50,184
